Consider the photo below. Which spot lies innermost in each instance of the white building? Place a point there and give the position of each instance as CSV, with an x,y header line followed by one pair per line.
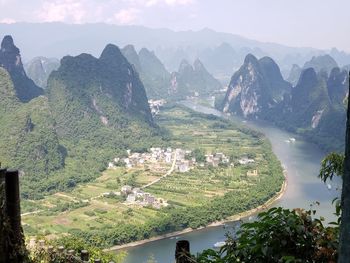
x,y
215,162
126,189
131,198
180,154
168,157
111,165
209,158
246,161
183,166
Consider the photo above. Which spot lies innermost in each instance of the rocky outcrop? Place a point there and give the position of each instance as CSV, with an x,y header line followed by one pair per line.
x,y
257,86
315,107
337,86
10,59
321,63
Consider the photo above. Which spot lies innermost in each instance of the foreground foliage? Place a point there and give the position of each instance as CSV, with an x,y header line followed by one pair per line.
x,y
279,235
283,235
42,255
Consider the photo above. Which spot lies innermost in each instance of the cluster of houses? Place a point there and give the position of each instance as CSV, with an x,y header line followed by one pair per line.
x,y
136,159
245,161
157,155
182,158
217,158
183,164
155,105
183,161
136,196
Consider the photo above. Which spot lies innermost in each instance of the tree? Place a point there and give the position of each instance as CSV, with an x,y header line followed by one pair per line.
x,y
344,239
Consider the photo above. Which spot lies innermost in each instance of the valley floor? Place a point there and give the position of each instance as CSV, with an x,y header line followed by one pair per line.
x,y
191,198
233,218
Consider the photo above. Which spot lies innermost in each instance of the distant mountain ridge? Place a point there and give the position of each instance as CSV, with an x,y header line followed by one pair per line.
x,y
170,46
40,68
192,81
323,63
152,72
188,80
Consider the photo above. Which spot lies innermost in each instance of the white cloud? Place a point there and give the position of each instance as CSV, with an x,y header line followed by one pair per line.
x,y
179,2
62,11
149,3
7,21
109,11
127,16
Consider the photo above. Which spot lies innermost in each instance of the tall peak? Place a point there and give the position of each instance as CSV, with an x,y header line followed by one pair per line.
x,y
185,66
129,48
111,52
197,64
145,51
250,58
308,76
7,45
10,59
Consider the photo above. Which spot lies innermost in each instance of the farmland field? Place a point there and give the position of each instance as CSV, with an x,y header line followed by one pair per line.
x,y
194,198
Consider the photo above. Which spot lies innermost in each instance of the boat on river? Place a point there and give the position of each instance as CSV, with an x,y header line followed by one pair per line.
x,y
219,244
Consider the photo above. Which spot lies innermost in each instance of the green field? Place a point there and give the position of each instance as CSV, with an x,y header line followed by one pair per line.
x,y
195,198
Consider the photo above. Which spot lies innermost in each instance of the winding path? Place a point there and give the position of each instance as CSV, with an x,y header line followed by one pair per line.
x,y
165,175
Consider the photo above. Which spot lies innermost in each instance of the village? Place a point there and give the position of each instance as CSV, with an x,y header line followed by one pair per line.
x,y
178,160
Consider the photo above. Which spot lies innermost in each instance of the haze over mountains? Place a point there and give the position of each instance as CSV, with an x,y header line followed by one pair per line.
x,y
188,80
40,68
88,103
224,51
323,63
192,81
152,72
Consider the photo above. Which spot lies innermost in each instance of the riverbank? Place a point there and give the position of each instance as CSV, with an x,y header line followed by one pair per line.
x,y
233,218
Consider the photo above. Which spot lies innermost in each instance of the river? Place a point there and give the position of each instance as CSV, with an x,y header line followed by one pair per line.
x,y
302,162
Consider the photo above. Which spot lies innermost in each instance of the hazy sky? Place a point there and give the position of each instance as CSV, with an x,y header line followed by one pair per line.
x,y
315,23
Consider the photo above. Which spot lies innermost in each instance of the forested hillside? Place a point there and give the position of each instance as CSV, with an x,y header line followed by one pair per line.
x,y
93,110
